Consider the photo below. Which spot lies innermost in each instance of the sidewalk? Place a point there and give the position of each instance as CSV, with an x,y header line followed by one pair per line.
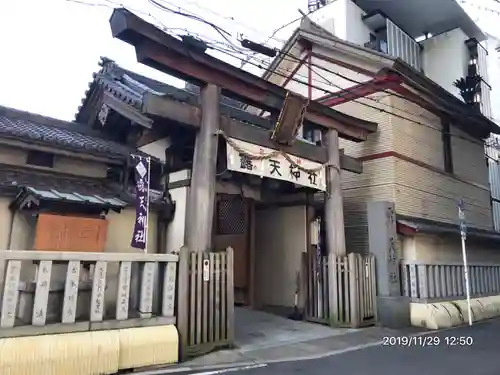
x,y
310,349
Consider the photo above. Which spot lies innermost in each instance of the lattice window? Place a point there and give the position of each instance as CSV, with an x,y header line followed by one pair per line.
x,y
231,218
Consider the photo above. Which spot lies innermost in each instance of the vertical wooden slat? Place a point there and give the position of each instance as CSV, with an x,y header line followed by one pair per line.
x,y
123,292
404,276
217,295
413,281
374,287
10,293
352,288
367,268
205,298
98,288
314,287
324,292
199,297
449,281
169,283
497,279
183,299
223,290
333,298
345,304
71,292
41,300
366,284
489,279
211,317
422,279
363,295
230,294
192,304
310,289
147,286
460,279
454,281
437,281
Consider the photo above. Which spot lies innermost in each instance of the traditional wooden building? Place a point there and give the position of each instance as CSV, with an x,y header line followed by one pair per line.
x,y
56,167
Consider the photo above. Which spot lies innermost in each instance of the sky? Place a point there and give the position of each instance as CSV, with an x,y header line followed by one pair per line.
x,y
50,48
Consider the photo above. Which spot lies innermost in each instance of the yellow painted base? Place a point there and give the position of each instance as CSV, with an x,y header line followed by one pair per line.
x,y
89,353
440,315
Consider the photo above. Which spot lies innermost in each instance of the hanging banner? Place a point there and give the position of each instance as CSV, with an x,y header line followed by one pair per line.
x,y
277,166
142,167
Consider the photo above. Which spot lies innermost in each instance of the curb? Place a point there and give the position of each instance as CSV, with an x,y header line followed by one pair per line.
x,y
228,367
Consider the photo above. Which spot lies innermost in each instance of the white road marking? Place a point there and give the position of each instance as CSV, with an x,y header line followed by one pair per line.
x,y
231,369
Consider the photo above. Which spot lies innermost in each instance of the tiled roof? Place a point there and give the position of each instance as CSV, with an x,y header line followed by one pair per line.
x,y
65,135
130,87
11,180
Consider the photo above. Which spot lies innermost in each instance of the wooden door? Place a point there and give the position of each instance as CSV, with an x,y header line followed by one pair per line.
x,y
231,228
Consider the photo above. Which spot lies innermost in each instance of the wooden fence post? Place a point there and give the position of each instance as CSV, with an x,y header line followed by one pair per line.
x,y
183,300
333,297
353,289
230,295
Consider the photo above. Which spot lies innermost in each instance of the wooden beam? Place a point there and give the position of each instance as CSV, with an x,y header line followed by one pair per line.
x,y
166,53
126,111
173,110
190,115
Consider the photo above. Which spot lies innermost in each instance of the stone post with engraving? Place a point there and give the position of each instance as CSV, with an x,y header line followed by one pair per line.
x,y
393,308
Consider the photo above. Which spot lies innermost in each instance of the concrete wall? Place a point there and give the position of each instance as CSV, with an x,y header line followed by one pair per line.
x,y
157,148
177,228
343,19
445,59
280,240
63,164
434,248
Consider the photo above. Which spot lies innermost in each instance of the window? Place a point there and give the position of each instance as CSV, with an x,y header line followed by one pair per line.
x,y
40,159
446,136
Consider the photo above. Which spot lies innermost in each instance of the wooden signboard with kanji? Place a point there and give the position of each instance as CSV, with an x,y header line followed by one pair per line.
x,y
69,233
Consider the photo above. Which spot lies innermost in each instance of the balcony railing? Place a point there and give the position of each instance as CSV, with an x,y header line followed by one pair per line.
x,y
400,44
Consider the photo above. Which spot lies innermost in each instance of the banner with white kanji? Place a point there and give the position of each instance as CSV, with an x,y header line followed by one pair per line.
x,y
277,167
142,172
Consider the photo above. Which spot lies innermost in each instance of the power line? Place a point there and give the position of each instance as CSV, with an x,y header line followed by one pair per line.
x,y
373,107
198,18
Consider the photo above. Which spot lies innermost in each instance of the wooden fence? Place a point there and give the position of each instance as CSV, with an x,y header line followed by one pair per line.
x,y
426,282
206,301
60,292
341,291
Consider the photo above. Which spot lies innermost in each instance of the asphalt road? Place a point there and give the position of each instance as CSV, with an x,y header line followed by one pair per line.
x,y
466,350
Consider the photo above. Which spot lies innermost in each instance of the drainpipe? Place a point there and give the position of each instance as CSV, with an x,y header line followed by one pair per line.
x,y
309,73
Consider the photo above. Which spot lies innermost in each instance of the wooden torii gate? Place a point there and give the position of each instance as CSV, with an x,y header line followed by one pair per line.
x,y
172,56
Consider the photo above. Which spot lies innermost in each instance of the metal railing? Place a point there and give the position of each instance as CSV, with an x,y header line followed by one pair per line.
x,y
445,281
60,292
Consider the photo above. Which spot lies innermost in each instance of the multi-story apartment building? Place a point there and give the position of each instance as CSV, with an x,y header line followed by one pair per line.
x,y
423,77
443,42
